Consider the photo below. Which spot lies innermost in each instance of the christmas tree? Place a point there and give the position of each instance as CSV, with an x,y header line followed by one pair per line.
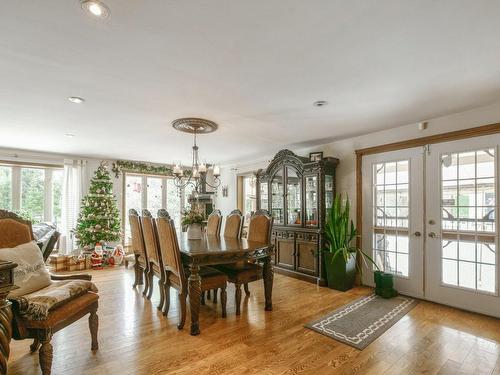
x,y
99,218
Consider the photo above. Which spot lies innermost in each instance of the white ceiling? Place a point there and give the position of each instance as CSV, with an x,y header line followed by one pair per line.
x,y
255,67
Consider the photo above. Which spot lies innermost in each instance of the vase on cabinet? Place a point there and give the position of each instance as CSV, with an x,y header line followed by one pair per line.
x,y
194,232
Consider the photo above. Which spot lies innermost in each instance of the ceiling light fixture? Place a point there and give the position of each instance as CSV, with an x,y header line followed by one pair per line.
x,y
320,103
95,8
197,175
76,99
69,135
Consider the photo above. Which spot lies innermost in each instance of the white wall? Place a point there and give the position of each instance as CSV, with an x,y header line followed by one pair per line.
x,y
345,150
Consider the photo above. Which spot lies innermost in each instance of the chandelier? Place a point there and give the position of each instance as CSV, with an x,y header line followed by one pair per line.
x,y
198,176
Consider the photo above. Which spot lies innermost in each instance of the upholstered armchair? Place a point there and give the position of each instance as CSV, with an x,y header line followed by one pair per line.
x,y
15,231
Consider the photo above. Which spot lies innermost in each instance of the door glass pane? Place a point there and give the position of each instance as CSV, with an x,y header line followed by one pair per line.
x,y
33,192
5,187
391,216
174,202
468,223
154,194
57,180
293,198
264,198
312,201
133,199
277,198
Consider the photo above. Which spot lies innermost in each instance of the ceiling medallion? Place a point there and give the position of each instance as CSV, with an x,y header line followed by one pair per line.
x,y
194,125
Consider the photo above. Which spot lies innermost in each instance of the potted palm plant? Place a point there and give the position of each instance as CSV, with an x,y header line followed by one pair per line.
x,y
340,254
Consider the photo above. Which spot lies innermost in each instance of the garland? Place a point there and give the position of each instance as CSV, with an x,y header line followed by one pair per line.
x,y
133,166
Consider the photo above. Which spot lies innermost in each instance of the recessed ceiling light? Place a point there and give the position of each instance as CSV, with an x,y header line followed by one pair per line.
x,y
69,135
320,103
95,8
76,99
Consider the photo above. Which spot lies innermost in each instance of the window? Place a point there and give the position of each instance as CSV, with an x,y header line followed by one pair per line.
x,y
5,187
249,196
391,202
34,191
153,193
468,219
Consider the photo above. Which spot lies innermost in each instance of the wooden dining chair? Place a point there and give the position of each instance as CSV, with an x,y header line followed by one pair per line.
x,y
259,230
141,266
234,224
214,223
232,229
175,273
155,266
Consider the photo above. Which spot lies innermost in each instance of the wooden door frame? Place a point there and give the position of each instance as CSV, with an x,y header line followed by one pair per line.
x,y
416,142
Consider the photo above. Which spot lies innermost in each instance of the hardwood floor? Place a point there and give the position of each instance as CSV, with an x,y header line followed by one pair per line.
x,y
134,338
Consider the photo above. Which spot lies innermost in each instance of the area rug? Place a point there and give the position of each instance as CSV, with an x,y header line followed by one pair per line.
x,y
360,322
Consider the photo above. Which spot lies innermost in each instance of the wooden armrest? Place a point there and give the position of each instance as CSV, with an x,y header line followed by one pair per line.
x,y
78,276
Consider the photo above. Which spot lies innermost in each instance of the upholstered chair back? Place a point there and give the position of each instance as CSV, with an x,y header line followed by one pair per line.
x,y
259,229
234,223
14,231
137,236
169,248
214,223
150,237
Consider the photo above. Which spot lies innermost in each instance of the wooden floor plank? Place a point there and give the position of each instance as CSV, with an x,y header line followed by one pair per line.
x,y
136,339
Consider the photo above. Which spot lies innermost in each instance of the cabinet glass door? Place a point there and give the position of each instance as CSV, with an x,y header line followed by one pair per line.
x,y
264,197
328,191
277,198
293,182
311,201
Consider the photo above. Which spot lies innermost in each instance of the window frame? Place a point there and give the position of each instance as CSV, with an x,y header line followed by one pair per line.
x,y
16,185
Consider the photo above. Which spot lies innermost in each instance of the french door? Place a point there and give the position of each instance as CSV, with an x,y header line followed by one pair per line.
x,y
462,231
393,212
429,217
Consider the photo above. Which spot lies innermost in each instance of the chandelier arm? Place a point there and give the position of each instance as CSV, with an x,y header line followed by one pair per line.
x,y
214,186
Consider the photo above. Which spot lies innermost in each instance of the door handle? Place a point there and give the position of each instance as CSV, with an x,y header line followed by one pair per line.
x,y
417,234
433,235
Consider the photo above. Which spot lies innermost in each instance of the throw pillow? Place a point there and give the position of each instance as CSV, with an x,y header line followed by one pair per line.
x,y
30,274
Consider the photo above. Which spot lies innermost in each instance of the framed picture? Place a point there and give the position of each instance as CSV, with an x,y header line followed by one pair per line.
x,y
316,156
225,191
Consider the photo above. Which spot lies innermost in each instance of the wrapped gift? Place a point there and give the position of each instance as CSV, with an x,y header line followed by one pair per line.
x,y
81,264
87,262
59,262
72,264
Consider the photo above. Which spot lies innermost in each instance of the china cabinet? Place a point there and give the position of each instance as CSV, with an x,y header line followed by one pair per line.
x,y
297,193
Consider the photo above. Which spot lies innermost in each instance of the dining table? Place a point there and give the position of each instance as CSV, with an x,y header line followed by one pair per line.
x,y
211,250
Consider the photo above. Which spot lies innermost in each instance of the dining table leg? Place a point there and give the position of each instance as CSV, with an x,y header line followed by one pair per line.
x,y
268,276
194,297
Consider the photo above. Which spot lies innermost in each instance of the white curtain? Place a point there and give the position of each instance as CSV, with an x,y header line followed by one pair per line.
x,y
73,190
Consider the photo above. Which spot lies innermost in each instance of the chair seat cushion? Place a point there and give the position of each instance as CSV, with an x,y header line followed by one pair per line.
x,y
210,276
241,273
37,305
59,315
30,274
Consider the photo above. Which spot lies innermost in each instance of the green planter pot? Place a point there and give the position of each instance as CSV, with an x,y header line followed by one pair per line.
x,y
339,274
384,284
